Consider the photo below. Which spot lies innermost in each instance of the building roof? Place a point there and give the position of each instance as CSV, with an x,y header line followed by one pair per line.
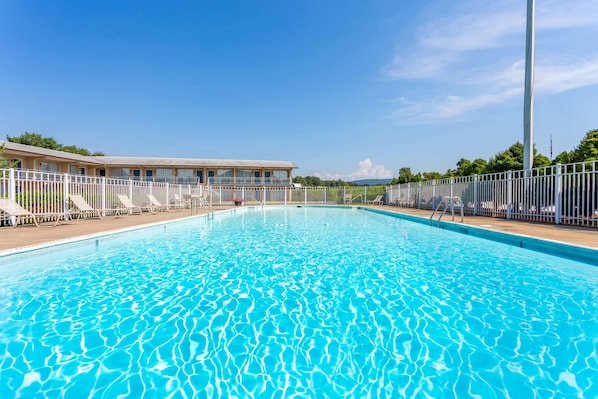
x,y
28,150
194,163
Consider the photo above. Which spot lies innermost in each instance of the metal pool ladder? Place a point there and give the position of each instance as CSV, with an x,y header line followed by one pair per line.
x,y
201,202
449,201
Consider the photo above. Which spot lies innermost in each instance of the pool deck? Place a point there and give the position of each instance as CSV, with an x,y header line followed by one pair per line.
x,y
29,236
573,235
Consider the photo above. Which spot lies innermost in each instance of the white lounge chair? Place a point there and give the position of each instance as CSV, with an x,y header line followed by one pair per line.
x,y
129,205
9,208
376,201
155,205
83,210
177,202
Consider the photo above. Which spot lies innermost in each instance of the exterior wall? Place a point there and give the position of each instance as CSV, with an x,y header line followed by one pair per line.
x,y
207,175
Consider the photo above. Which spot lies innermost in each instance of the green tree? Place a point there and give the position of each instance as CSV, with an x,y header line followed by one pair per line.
x,y
540,160
478,166
4,162
37,140
405,175
432,176
512,159
587,150
463,167
563,158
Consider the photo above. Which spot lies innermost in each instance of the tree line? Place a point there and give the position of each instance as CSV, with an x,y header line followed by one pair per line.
x,y
37,140
509,159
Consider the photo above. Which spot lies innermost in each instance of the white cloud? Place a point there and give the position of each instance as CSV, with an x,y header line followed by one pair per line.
x,y
559,78
449,107
366,169
474,57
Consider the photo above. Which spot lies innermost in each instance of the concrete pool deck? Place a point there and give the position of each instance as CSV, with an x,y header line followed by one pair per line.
x,y
27,236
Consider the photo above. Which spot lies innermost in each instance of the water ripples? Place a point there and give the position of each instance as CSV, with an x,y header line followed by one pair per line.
x,y
298,306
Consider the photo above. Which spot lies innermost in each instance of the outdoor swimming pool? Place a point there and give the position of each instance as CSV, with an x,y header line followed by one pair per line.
x,y
297,302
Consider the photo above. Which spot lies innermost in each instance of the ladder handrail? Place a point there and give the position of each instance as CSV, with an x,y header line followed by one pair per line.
x,y
448,200
353,199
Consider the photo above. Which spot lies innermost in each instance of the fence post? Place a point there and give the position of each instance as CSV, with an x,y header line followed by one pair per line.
x,y
103,183
12,192
558,194
408,194
475,194
151,188
12,185
167,196
131,189
419,195
510,193
305,194
365,195
325,201
65,193
433,193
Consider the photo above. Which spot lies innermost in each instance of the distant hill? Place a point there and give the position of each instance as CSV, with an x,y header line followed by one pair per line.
x,y
372,182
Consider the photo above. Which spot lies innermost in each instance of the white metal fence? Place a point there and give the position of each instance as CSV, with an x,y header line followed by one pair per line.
x,y
561,194
48,193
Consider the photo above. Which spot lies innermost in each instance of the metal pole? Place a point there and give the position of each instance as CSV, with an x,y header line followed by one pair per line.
x,y
528,100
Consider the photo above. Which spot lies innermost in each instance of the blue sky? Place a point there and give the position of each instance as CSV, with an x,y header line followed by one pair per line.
x,y
345,89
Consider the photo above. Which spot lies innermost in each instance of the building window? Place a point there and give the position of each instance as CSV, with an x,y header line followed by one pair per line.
x,y
73,169
49,167
200,176
149,175
120,173
82,171
224,176
136,174
280,177
185,176
164,175
16,163
243,176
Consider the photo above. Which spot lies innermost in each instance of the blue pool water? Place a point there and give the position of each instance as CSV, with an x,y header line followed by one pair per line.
x,y
297,303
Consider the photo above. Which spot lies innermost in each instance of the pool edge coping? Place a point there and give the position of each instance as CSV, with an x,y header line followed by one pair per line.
x,y
561,249
85,237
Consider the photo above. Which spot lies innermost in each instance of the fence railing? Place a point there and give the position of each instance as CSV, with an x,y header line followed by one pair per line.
x,y
46,192
560,194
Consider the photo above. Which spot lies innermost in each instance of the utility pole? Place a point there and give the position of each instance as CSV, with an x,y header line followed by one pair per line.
x,y
528,98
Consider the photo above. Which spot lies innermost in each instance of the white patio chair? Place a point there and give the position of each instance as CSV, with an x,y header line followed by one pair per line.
x,y
83,210
376,201
9,208
155,205
129,205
